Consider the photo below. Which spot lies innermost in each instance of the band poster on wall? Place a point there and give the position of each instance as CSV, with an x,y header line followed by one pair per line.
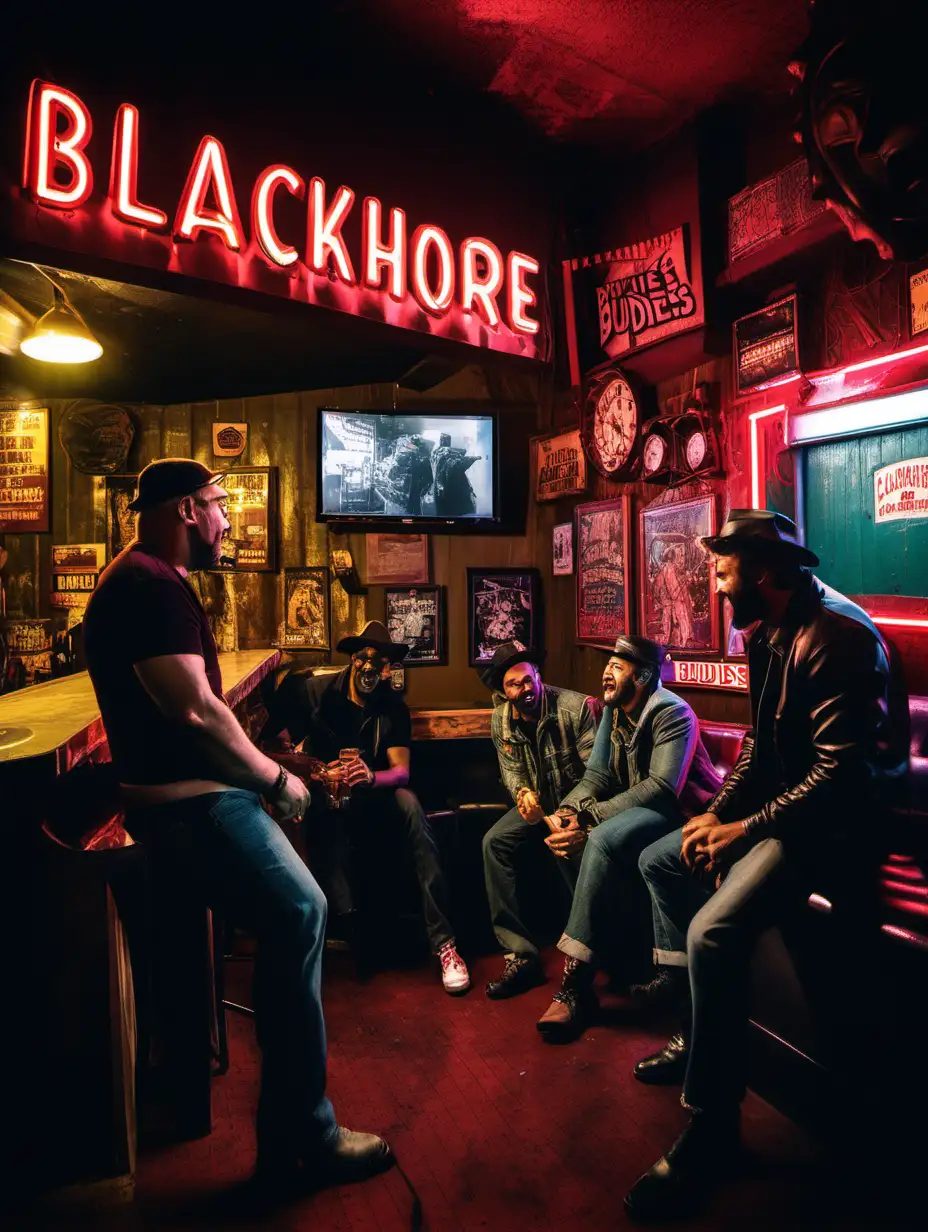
x,y
677,595
623,300
306,609
415,618
503,606
603,581
24,503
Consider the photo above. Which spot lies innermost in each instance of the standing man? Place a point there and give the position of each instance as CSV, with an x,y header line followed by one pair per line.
x,y
649,770
543,738
357,709
800,812
193,785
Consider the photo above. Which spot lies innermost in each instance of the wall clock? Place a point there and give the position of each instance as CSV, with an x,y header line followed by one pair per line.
x,y
611,422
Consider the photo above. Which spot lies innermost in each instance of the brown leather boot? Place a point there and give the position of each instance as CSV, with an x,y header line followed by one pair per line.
x,y
574,1004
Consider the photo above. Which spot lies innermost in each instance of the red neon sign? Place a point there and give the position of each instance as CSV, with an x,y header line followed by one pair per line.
x,y
473,294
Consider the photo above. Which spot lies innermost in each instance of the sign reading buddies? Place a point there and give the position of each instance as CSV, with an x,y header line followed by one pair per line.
x,y
901,491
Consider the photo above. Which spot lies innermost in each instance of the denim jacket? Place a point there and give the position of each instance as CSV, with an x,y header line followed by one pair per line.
x,y
552,763
669,769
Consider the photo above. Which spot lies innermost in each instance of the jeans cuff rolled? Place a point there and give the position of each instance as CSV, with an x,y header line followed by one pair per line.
x,y
575,949
669,958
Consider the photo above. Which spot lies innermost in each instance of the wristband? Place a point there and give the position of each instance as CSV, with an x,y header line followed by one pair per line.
x,y
279,782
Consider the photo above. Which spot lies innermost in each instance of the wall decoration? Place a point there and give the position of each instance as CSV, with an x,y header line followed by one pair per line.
x,y
504,606
306,623
346,571
766,345
918,303
96,437
24,470
67,556
559,465
120,520
678,607
393,559
250,545
761,213
415,616
610,422
603,580
562,549
706,674
75,569
901,490
229,439
626,299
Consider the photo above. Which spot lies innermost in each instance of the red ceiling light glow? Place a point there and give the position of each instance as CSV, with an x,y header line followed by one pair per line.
x,y
47,149
520,296
325,230
376,254
262,212
478,294
209,170
424,239
124,172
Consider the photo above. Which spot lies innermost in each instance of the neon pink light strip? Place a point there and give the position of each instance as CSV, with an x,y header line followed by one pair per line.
x,y
755,470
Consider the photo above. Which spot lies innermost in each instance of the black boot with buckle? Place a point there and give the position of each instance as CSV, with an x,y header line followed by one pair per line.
x,y
574,1004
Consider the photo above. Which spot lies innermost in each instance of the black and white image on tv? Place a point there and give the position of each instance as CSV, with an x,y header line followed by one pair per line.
x,y
411,466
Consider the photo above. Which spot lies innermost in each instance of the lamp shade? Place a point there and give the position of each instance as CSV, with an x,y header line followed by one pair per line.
x,y
61,337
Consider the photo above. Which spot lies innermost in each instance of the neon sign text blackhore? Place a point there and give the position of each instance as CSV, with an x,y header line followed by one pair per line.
x,y
476,279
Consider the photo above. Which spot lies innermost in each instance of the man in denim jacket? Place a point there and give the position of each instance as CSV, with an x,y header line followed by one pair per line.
x,y
648,771
543,737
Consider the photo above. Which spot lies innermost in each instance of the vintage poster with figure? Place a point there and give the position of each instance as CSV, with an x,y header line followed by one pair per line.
x,y
306,609
679,608
562,549
504,607
603,581
415,617
120,520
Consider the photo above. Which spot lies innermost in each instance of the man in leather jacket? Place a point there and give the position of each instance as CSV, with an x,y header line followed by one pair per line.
x,y
543,738
826,751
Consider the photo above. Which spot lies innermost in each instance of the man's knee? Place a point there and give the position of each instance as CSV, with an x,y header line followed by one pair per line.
x,y
663,858
310,914
501,837
410,809
706,935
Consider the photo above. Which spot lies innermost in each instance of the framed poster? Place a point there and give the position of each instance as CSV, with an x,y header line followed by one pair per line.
x,y
306,609
394,559
678,605
562,550
503,606
559,465
918,303
766,345
250,544
120,520
415,615
603,581
24,473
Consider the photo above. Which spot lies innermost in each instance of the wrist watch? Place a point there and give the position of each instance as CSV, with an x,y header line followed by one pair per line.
x,y
586,818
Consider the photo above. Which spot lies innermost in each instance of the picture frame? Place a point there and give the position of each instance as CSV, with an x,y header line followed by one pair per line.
x,y
119,491
415,615
503,605
602,549
307,622
562,549
250,546
396,560
678,606
765,345
25,495
917,285
558,464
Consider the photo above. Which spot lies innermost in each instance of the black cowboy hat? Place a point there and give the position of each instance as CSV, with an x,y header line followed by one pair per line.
x,y
772,533
506,655
376,635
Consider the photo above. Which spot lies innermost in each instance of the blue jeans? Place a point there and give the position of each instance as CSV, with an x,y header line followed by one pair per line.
x,y
608,875
224,849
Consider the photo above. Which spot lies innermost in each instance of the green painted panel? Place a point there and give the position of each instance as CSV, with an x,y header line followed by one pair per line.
x,y
858,556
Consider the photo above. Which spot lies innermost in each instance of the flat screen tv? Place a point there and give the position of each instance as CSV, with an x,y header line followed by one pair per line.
x,y
407,469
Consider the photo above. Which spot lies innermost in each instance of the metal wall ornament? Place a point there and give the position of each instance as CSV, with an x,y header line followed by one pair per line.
x,y
610,423
96,437
678,448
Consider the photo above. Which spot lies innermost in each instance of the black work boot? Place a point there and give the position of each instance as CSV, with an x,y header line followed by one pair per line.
x,y
521,972
668,990
681,1181
574,1004
667,1066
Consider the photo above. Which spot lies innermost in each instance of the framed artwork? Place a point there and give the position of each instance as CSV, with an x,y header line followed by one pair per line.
x,y
562,550
396,559
503,606
120,520
306,623
415,615
250,544
24,471
559,465
603,542
678,605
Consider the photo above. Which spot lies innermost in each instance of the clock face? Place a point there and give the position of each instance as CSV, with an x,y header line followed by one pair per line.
x,y
614,427
696,450
655,449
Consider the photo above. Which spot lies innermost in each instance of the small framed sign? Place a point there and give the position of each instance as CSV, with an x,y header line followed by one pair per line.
x,y
306,609
415,617
24,473
766,345
918,303
562,550
395,559
559,465
706,674
250,544
229,439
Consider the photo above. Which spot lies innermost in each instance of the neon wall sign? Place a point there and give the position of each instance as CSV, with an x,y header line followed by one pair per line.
x,y
470,292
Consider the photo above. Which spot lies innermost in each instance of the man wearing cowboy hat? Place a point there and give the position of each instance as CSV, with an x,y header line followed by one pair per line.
x,y
543,738
356,709
799,812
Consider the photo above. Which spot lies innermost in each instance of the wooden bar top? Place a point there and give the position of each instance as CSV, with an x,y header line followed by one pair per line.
x,y
450,724
60,718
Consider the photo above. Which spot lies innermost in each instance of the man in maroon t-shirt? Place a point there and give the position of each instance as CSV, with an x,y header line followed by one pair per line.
x,y
193,783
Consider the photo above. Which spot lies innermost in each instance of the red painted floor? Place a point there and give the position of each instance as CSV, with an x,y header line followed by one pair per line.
x,y
497,1131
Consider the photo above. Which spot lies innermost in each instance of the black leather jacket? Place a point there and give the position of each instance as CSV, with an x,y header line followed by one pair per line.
x,y
840,734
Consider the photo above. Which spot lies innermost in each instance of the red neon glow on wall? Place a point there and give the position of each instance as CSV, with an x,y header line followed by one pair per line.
x,y
520,296
325,227
47,149
756,478
124,172
262,212
425,238
901,622
479,294
376,255
209,170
